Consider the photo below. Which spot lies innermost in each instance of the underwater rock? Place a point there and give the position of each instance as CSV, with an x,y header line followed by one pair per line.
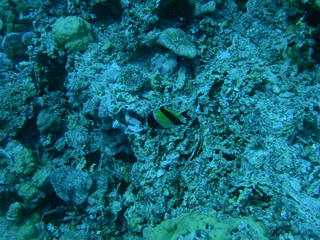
x,y
178,42
13,45
48,122
71,185
72,33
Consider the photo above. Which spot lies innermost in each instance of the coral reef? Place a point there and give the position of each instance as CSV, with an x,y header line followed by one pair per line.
x,y
79,78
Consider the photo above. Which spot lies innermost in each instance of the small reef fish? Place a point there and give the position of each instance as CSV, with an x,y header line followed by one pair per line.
x,y
166,118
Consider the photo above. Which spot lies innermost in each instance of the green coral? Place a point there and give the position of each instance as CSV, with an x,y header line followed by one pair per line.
x,y
198,226
72,33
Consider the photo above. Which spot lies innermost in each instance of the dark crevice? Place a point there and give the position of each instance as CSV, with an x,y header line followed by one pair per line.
x,y
123,187
312,17
29,134
51,72
175,10
242,5
108,10
92,158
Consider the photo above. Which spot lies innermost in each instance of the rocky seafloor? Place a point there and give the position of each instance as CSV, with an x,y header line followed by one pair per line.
x,y
80,78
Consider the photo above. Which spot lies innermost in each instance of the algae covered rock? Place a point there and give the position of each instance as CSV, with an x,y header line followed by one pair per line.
x,y
15,211
23,163
198,226
178,42
72,33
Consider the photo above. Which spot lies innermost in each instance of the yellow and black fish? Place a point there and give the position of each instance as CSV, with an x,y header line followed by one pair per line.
x,y
166,118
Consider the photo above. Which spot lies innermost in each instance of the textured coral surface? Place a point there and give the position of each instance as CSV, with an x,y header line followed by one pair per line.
x,y
80,78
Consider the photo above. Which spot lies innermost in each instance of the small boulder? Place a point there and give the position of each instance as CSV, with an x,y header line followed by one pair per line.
x,y
71,185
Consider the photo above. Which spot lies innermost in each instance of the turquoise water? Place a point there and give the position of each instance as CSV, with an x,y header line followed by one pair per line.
x,y
236,156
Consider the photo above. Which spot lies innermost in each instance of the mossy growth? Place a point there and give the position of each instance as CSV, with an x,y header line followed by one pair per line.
x,y
198,226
